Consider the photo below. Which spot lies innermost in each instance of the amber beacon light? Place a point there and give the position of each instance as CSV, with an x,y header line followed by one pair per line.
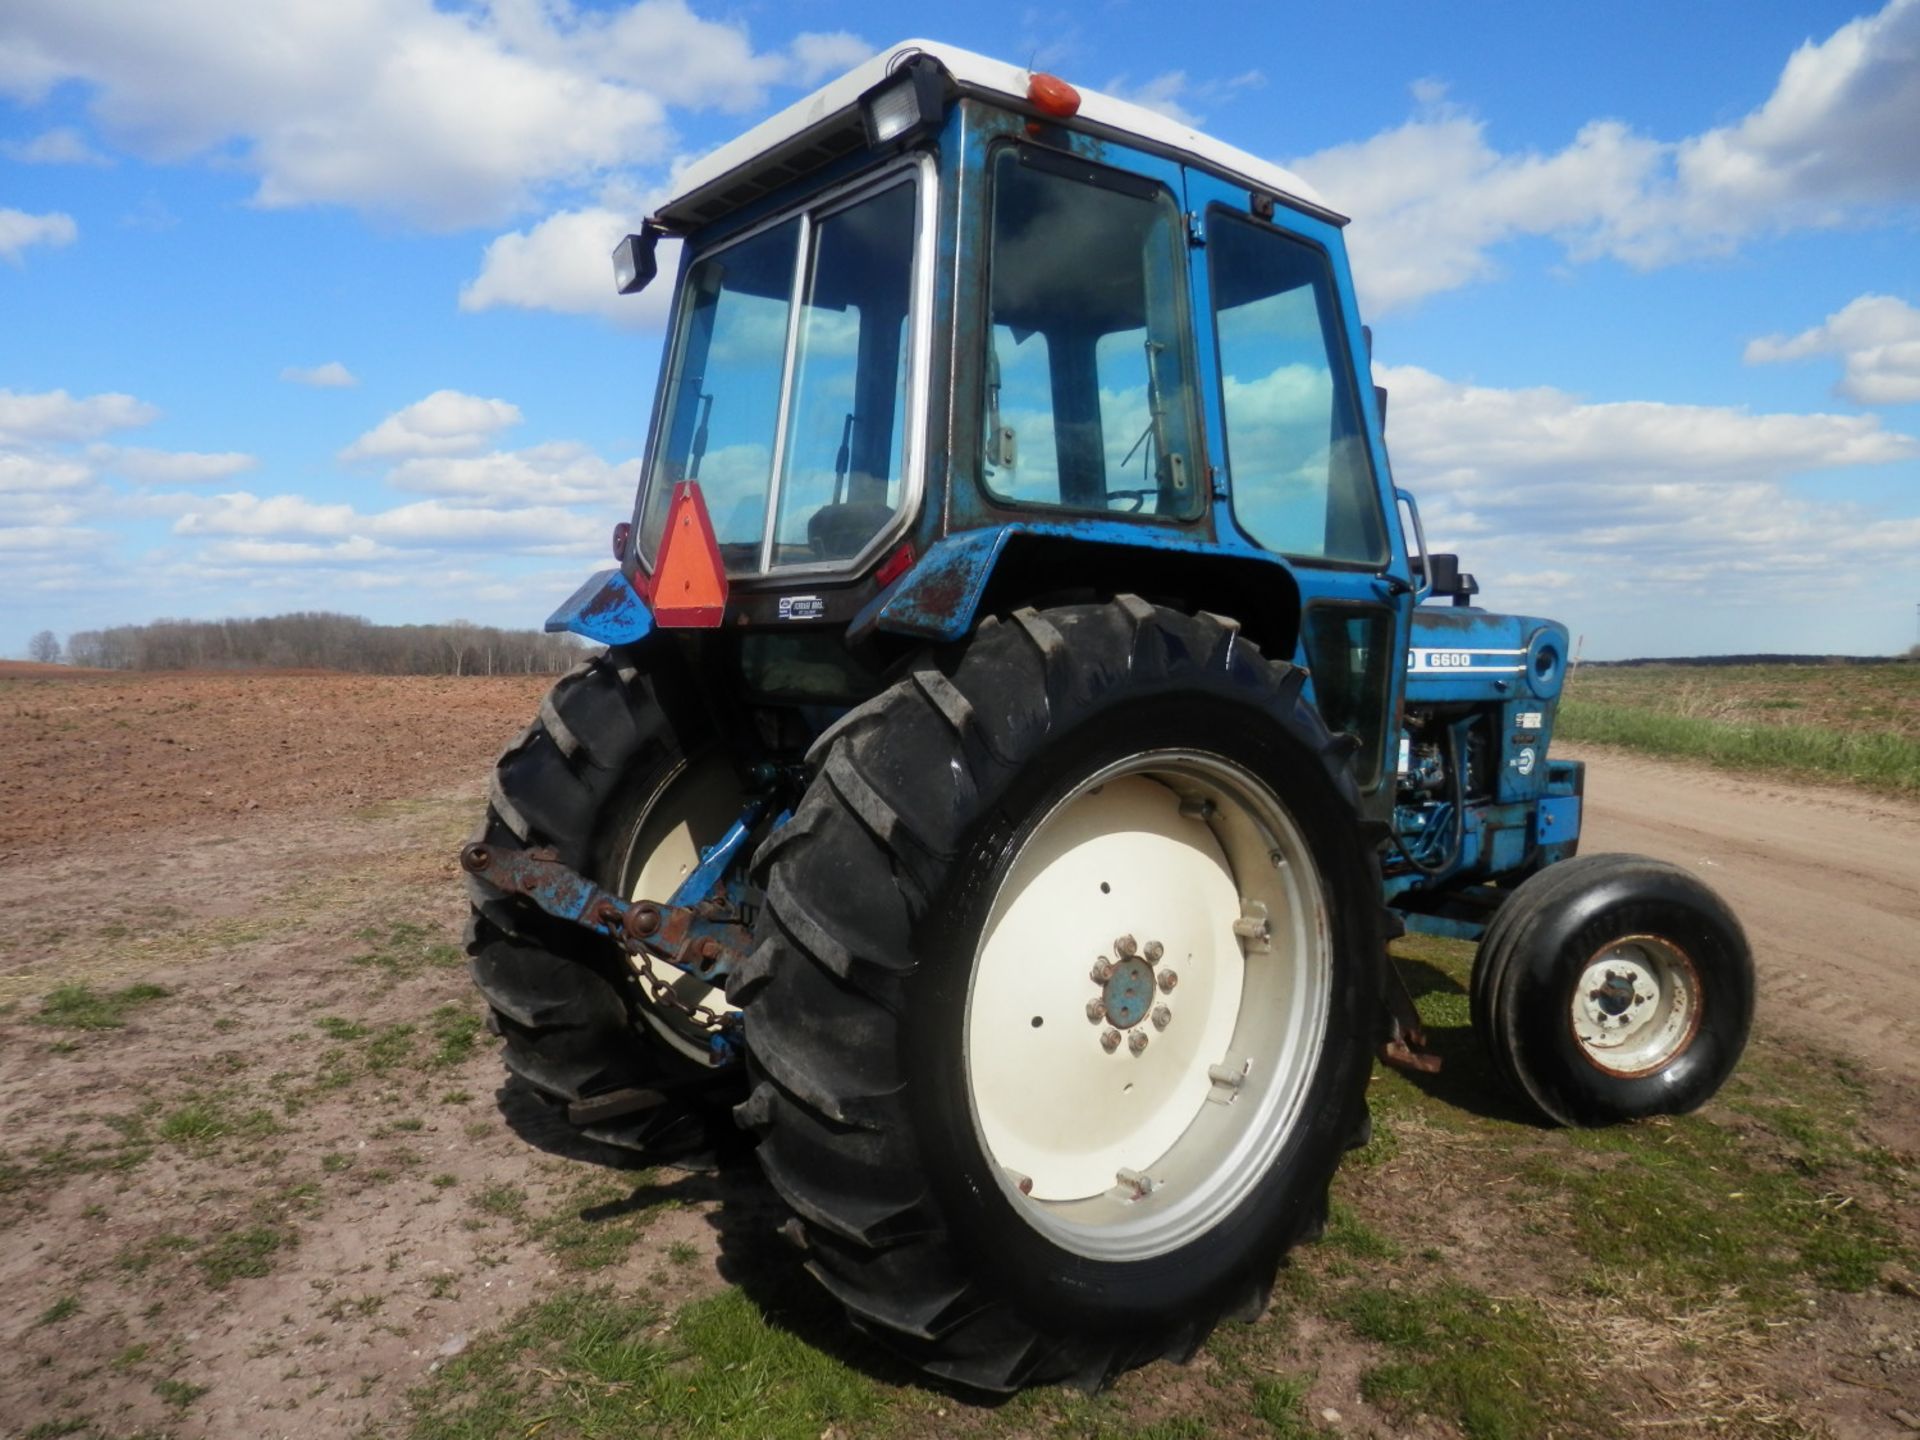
x,y
1051,95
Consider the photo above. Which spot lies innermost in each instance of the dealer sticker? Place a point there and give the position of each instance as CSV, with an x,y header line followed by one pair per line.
x,y
802,607
1527,720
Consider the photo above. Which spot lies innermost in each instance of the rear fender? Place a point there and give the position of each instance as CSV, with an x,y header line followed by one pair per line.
x,y
982,572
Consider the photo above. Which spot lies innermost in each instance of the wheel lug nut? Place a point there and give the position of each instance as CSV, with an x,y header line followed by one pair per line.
x,y
1102,970
1110,1040
1127,945
1166,980
1096,1010
1154,951
1162,1017
1137,1041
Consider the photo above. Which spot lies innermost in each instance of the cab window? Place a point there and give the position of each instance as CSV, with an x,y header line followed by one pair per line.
x,y
1088,400
1301,480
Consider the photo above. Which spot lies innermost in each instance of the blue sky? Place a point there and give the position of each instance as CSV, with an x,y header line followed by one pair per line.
x,y
306,304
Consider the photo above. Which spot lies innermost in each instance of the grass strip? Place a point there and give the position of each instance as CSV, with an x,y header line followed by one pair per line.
x,y
1887,763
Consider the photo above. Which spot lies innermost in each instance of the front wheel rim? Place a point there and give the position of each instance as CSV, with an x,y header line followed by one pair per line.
x,y
1636,1006
1126,1113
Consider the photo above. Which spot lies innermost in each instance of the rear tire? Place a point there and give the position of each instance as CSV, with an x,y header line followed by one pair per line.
x,y
1613,987
887,1017
616,772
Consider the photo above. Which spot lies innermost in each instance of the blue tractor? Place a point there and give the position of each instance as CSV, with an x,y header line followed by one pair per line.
x,y
1022,724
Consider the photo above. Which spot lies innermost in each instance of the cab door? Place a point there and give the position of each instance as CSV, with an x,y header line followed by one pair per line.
x,y
1300,464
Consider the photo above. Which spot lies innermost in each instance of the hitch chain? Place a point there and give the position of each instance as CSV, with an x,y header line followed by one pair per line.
x,y
660,992
704,940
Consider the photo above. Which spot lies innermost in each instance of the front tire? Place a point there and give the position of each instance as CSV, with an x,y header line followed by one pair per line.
x,y
996,1181
1613,987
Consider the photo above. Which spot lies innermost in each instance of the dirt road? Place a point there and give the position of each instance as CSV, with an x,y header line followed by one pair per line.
x,y
1826,881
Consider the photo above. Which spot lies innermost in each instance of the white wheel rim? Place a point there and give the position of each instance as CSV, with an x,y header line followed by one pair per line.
x,y
1636,1006
1121,1151
694,807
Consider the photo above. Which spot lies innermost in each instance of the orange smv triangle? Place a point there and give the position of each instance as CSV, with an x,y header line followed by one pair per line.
x,y
689,582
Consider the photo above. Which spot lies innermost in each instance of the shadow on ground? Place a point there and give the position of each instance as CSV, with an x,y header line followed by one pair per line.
x,y
1467,1080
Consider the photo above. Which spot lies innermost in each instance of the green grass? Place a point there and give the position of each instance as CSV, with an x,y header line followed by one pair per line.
x,y
240,1254
178,1393
1885,763
1487,1365
65,1308
1851,724
81,1007
205,1119
405,948
590,1362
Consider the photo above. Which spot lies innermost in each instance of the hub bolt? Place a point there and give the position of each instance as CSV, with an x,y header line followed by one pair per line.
x,y
1162,1017
1126,945
1102,970
1137,1041
1110,1040
1154,951
1166,980
1096,1010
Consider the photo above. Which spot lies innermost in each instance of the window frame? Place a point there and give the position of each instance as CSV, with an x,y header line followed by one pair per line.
x,y
918,170
1059,163
1341,356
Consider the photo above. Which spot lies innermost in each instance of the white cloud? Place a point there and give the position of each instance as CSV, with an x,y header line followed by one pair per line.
x,y
424,524
61,146
1175,94
19,230
169,467
445,117
559,473
332,375
1877,335
565,263
26,474
54,415
1640,502
815,57
445,423
1160,94
1433,198
1837,132
1832,143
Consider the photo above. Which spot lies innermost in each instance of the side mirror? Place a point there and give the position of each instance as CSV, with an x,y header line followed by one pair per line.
x,y
634,265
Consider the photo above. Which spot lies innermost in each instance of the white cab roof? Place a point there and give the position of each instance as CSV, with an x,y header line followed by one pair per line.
x,y
977,72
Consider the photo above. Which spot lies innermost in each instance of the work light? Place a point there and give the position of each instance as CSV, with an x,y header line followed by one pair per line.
x,y
633,260
906,104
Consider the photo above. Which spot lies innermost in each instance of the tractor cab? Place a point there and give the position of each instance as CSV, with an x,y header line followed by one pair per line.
x,y
951,337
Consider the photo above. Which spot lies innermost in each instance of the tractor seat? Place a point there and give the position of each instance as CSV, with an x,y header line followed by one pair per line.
x,y
839,532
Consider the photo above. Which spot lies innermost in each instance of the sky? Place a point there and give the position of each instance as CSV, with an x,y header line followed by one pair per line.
x,y
306,304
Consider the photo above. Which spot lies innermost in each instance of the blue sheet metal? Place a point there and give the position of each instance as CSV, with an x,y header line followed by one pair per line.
x,y
607,609
939,599
1558,819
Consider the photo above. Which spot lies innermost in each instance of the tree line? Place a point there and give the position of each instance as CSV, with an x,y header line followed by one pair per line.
x,y
318,640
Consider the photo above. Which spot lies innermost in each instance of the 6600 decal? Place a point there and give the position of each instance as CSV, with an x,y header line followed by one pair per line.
x,y
1458,662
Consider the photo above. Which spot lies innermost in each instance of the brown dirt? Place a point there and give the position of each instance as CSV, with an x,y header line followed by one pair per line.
x,y
1826,882
248,841
96,753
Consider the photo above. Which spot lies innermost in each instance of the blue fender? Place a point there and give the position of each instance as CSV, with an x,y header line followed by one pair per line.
x,y
607,609
938,600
